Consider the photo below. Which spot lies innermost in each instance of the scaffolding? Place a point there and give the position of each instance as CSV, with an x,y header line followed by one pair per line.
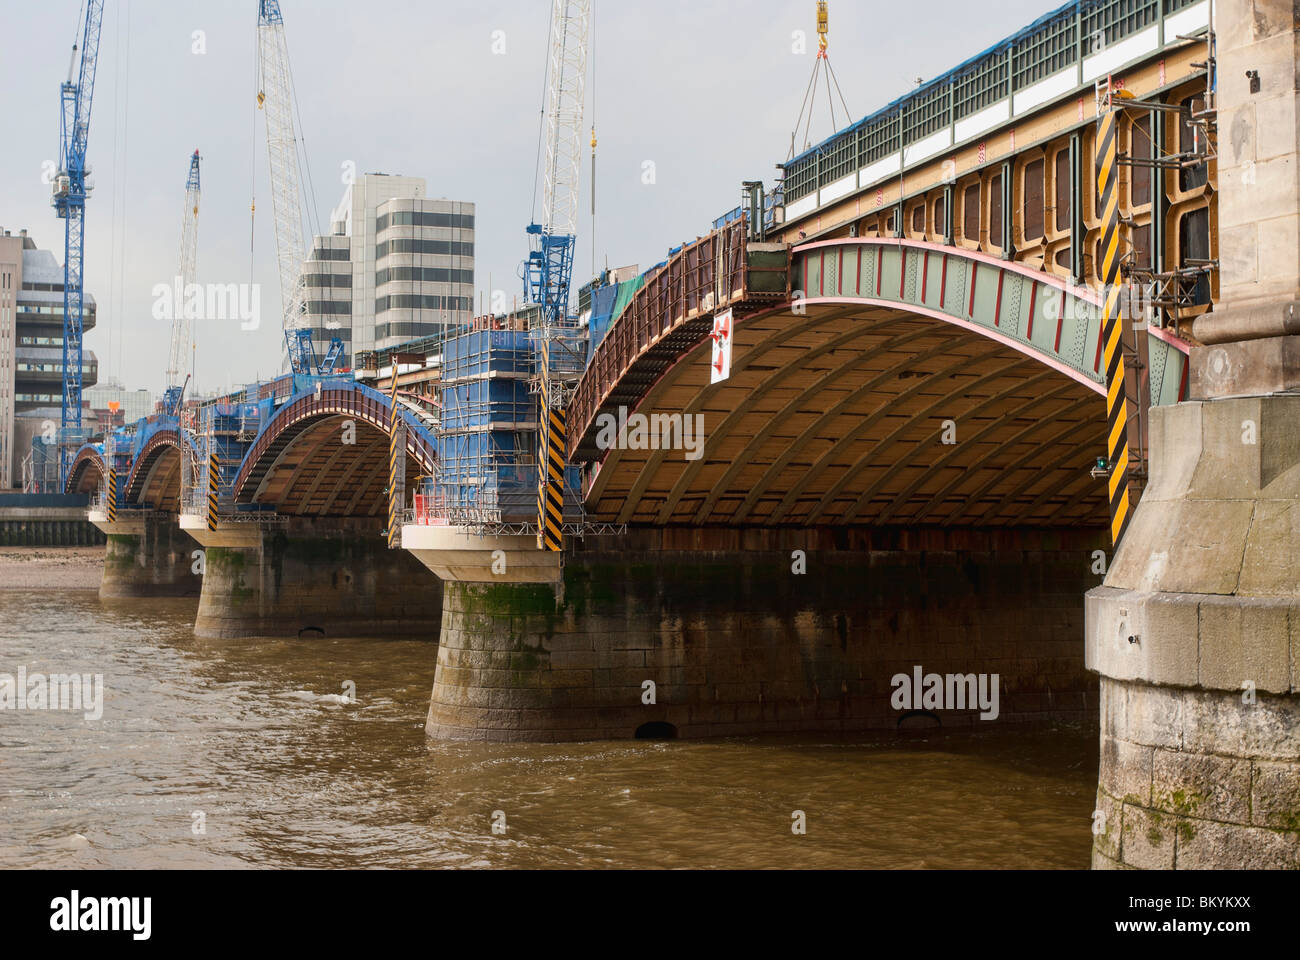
x,y
487,433
41,468
485,481
224,430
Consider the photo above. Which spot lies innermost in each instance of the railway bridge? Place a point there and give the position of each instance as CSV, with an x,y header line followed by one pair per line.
x,y
272,512
1009,363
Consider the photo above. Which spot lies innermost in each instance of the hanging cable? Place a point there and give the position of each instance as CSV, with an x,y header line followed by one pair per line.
x,y
112,320
847,112
541,117
592,32
252,165
126,153
807,92
821,64
313,220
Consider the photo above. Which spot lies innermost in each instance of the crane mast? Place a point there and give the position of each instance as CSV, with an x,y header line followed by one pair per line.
x,y
69,202
550,261
275,99
549,268
182,322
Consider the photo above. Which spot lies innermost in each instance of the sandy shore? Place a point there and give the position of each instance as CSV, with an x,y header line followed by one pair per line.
x,y
58,568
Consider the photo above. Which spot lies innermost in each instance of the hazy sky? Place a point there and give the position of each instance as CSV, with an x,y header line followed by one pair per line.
x,y
708,90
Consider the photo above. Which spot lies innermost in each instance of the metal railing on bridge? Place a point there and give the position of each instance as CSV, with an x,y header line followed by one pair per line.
x,y
671,312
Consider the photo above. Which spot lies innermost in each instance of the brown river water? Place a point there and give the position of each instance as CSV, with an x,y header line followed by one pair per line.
x,y
244,753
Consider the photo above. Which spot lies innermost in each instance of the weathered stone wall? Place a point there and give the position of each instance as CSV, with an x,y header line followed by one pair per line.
x,y
737,643
337,576
1193,779
157,563
1195,636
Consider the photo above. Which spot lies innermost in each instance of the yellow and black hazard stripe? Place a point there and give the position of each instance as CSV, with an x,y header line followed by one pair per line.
x,y
213,477
112,495
1112,327
395,462
550,492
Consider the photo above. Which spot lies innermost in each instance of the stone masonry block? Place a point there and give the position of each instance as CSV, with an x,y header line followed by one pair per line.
x,y
1200,785
1275,794
1244,640
1163,628
1126,770
1147,841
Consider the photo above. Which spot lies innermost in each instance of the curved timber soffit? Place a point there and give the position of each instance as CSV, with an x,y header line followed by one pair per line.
x,y
1027,310
1033,313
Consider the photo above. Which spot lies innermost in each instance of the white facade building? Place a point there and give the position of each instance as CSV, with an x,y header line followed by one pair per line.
x,y
396,266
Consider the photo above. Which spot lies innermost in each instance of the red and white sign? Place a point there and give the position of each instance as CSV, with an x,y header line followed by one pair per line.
x,y
721,367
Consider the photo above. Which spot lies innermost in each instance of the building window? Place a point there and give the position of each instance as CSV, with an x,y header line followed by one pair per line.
x,y
411,218
445,248
327,279
1140,237
423,275
1063,211
329,308
995,212
1194,244
1032,214
1190,178
970,220
1140,149
407,302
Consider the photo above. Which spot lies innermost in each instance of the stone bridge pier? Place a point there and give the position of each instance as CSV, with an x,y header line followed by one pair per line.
x,y
1196,632
311,577
696,633
147,555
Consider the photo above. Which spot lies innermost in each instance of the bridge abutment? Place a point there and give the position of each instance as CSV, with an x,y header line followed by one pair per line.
x,y
313,577
736,641
1195,635
1195,631
147,556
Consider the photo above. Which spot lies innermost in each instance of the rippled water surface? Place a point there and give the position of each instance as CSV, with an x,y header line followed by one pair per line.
x,y
255,736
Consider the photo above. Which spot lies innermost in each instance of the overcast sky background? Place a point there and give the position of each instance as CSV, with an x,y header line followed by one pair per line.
x,y
706,89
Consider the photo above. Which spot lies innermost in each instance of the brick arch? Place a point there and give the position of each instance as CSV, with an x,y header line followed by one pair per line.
x,y
301,465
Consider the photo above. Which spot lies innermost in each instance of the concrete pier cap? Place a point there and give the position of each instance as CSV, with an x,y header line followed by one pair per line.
x,y
456,555
227,534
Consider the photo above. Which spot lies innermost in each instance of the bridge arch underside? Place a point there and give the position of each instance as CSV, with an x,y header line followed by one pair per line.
x,y
86,475
155,479
310,470
838,415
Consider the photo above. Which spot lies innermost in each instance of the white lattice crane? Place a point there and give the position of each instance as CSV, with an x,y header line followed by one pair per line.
x,y
549,268
182,344
275,98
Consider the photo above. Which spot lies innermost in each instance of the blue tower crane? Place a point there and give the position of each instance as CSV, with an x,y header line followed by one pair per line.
x,y
69,202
